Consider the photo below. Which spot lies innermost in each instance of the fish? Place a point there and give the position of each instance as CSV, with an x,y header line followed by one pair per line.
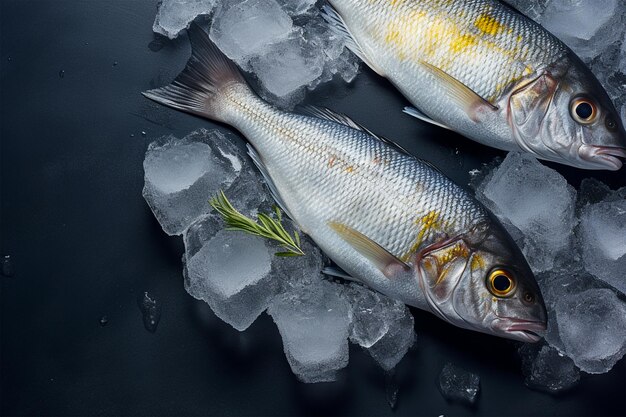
x,y
484,70
387,219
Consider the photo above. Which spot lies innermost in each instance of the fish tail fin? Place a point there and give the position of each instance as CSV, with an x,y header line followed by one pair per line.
x,y
200,88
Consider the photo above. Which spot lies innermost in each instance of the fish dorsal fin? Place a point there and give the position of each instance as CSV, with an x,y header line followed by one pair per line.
x,y
386,262
339,28
464,96
418,114
327,114
256,158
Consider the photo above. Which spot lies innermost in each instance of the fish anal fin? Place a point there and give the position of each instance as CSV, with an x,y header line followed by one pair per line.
x,y
470,101
339,28
334,271
386,262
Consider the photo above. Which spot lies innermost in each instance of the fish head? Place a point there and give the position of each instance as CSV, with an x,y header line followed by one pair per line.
x,y
483,283
568,118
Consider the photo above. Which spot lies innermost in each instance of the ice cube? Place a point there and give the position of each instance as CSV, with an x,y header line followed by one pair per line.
x,y
602,235
313,321
287,68
579,19
533,8
175,15
546,369
381,325
294,272
576,22
245,28
181,175
457,384
592,327
297,7
535,199
230,271
592,191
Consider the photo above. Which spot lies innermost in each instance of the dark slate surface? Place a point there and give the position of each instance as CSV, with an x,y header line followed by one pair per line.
x,y
85,245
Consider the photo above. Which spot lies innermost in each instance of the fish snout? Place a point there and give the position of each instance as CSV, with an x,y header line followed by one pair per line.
x,y
518,329
605,157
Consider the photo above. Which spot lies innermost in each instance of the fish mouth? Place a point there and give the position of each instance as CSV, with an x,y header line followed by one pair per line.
x,y
523,330
609,157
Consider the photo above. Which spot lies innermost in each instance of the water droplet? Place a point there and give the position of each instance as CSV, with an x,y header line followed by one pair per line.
x,y
143,133
151,311
156,45
8,269
62,73
132,135
104,320
115,63
391,388
9,58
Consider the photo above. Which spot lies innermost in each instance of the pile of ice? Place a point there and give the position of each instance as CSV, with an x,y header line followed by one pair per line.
x,y
576,244
595,30
238,275
285,43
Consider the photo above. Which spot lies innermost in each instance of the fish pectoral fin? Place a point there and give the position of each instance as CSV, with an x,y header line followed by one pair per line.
x,y
339,28
256,158
335,271
418,114
386,262
464,96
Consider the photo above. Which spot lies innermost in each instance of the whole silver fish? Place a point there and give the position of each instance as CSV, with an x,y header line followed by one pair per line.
x,y
386,218
482,69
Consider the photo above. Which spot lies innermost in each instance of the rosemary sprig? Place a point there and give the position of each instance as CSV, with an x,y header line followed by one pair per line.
x,y
265,226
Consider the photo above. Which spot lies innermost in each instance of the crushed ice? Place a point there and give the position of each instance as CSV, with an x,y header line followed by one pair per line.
x,y
239,277
284,43
576,244
580,272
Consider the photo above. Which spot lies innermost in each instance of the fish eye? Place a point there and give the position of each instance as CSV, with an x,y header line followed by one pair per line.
x,y
611,124
501,282
584,111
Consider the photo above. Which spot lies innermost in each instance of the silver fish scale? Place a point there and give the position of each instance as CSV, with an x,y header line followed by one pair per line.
x,y
326,172
482,43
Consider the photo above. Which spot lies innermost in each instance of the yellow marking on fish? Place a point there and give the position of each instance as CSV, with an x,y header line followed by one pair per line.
x,y
459,249
428,223
461,42
488,25
456,251
477,262
393,36
350,169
